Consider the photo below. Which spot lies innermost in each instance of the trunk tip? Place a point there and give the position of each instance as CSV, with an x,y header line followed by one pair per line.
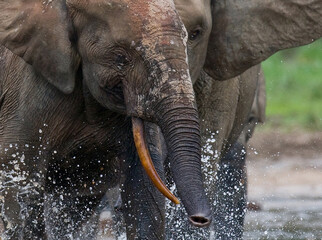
x,y
199,220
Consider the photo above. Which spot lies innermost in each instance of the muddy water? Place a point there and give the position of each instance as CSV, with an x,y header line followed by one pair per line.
x,y
289,192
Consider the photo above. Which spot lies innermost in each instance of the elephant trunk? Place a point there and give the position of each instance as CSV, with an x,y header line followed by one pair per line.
x,y
167,99
180,126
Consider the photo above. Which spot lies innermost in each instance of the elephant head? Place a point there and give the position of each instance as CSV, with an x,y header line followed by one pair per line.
x,y
228,37
131,56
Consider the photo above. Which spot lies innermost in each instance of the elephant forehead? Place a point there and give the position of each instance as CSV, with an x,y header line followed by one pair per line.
x,y
138,13
152,16
141,19
157,24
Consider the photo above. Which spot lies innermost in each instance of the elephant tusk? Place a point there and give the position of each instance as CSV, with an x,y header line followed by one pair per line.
x,y
146,161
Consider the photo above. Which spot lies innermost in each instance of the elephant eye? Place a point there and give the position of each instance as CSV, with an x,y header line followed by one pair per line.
x,y
121,60
194,34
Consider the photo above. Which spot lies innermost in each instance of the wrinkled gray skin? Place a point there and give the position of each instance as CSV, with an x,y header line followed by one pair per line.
x,y
230,37
237,105
244,33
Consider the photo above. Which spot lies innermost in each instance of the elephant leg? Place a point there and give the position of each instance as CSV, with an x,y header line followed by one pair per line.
x,y
143,205
231,194
71,217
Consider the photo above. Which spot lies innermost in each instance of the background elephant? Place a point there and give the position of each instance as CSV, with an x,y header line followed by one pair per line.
x,y
244,33
73,75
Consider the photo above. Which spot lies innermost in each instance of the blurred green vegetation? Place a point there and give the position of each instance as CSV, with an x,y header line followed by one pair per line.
x,y
294,88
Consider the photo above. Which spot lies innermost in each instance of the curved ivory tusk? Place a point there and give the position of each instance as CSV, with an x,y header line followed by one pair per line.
x,y
144,155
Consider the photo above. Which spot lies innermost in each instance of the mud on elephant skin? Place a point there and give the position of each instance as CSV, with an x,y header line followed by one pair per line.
x,y
76,78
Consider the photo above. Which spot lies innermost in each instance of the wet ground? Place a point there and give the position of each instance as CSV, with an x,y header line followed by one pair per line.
x,y
285,180
289,193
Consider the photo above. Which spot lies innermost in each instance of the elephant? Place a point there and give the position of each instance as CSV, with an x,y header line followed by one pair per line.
x,y
101,65
80,90
230,93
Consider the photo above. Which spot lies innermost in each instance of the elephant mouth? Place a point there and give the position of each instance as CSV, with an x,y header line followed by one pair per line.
x,y
146,161
116,98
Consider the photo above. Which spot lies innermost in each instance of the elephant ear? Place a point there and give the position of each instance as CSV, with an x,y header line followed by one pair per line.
x,y
38,31
246,32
